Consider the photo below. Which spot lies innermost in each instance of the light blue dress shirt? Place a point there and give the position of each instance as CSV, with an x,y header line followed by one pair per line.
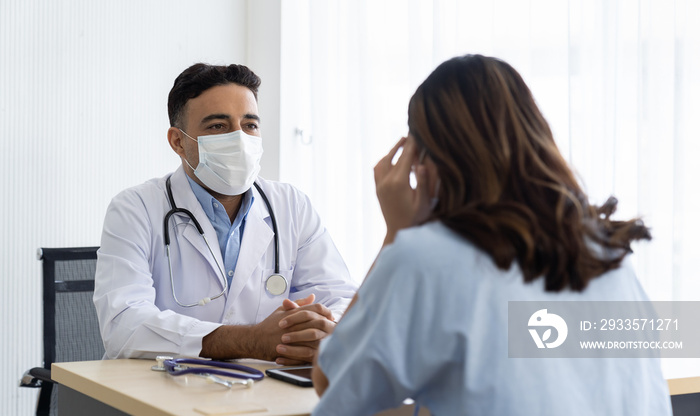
x,y
431,323
229,235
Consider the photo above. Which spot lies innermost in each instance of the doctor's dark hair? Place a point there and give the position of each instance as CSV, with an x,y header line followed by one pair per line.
x,y
504,185
198,78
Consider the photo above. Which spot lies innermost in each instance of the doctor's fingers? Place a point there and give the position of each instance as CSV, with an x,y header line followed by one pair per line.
x,y
323,325
296,352
289,361
305,313
288,304
306,336
306,319
307,300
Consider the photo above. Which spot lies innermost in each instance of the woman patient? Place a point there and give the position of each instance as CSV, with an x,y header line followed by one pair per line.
x,y
497,215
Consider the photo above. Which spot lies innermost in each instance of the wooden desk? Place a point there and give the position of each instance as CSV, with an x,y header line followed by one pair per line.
x,y
133,388
684,385
685,395
119,387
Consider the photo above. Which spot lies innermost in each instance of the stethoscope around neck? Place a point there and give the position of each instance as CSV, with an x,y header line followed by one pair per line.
x,y
276,284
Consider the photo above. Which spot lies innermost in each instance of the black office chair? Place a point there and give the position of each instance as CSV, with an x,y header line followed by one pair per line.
x,y
71,330
686,404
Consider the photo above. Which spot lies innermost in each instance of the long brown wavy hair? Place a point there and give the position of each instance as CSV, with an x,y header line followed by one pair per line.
x,y
504,185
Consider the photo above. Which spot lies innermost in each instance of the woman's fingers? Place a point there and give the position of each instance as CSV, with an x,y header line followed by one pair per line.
x,y
384,165
395,149
402,206
407,158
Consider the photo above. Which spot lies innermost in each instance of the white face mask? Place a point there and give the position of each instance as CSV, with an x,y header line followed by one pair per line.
x,y
228,163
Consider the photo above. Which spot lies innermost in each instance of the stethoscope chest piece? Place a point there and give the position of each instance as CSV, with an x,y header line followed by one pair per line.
x,y
276,284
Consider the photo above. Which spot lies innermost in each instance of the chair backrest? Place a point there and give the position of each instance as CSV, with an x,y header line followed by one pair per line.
x,y
71,329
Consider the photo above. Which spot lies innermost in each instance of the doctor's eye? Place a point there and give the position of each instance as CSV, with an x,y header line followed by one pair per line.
x,y
217,127
252,126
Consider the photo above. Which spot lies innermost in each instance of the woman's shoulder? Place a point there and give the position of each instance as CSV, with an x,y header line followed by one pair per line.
x,y
428,236
434,231
434,248
619,284
434,245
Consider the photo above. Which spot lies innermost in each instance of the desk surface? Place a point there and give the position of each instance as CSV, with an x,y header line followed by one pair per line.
x,y
684,385
132,387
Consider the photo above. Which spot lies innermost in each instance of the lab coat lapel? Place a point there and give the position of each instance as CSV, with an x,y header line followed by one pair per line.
x,y
185,198
257,238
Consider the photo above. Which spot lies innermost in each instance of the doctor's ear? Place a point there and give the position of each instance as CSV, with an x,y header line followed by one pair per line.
x,y
175,138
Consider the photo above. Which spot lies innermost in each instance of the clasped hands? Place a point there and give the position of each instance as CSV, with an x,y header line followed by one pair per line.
x,y
293,331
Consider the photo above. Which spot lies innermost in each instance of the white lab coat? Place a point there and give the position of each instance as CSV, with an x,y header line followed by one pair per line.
x,y
138,315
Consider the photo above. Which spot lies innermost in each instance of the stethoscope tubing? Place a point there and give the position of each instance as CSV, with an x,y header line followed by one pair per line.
x,y
166,238
174,209
173,367
274,227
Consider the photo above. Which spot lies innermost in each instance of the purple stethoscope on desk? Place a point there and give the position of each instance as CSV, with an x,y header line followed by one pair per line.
x,y
210,370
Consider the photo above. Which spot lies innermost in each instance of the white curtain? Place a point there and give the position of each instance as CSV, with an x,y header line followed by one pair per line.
x,y
616,80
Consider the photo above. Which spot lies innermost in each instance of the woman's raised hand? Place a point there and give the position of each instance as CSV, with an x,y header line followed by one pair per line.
x,y
402,206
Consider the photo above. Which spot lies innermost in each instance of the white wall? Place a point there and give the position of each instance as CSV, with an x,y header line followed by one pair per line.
x,y
263,57
83,93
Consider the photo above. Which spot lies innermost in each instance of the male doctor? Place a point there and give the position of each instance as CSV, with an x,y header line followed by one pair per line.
x,y
225,291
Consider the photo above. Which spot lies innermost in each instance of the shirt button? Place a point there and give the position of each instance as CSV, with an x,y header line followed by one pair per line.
x,y
216,205
230,272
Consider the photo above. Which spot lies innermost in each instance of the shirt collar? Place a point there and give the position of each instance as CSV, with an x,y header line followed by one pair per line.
x,y
207,201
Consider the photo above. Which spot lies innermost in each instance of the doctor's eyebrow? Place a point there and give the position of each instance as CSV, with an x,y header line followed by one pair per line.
x,y
253,117
211,117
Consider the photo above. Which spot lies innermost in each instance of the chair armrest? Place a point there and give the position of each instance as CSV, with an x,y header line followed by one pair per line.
x,y
35,376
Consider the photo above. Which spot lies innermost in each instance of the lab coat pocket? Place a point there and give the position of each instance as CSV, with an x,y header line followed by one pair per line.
x,y
273,291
